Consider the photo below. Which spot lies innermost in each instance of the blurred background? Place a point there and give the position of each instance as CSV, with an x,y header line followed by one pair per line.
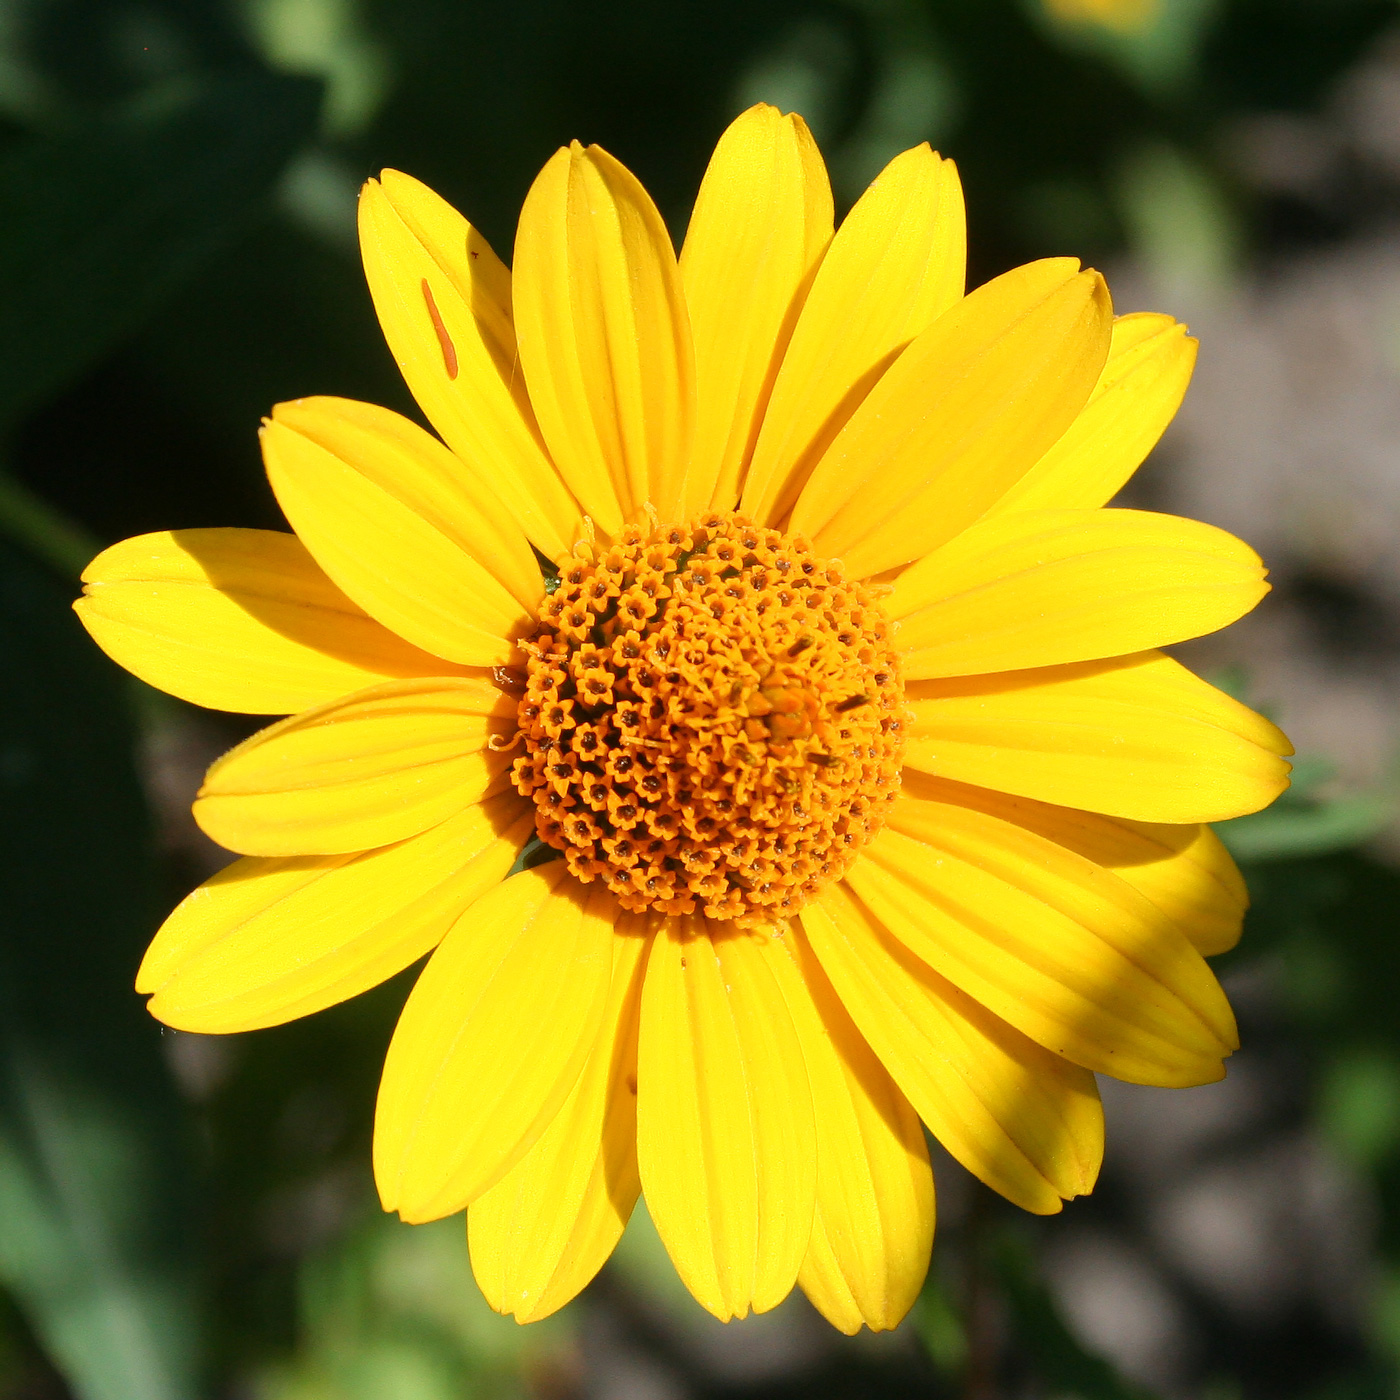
x,y
186,1216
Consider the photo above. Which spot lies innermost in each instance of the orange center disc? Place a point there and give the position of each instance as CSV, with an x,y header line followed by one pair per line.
x,y
712,721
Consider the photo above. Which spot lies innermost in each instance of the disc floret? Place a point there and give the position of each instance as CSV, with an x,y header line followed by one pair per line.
x,y
712,719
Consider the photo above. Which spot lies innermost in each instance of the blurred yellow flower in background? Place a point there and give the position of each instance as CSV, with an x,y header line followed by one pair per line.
x,y
761,610
1129,16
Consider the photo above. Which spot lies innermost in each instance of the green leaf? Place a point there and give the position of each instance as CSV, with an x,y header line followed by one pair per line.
x,y
101,225
94,1169
1284,832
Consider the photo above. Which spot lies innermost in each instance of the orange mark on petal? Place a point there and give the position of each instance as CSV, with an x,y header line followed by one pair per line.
x,y
449,350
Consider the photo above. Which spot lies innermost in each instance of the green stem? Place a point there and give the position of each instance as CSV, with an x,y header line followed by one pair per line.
x,y
67,548
47,533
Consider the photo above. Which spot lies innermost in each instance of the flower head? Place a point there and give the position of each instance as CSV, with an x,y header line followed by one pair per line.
x,y
764,601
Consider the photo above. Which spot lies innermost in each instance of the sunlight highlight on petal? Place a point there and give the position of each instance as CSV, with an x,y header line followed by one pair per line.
x,y
380,765
1045,587
761,223
391,516
725,1134
267,940
541,1233
240,620
981,394
604,337
896,264
1018,1117
1137,737
458,1105
444,303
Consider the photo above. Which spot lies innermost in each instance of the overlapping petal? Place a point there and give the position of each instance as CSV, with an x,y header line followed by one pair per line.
x,y
443,300
873,1226
267,940
726,1139
960,415
1184,870
1190,876
1045,587
377,766
459,1103
240,620
604,337
1051,942
541,1233
896,264
1137,736
761,222
416,539
1141,387
1018,1117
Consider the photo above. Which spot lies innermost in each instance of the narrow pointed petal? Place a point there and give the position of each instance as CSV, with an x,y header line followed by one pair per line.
x,y
896,264
378,766
541,1233
240,620
604,337
761,223
443,299
1184,870
268,940
873,1227
1047,587
1141,387
1138,737
1019,1118
725,1134
969,407
1054,944
491,1041
395,519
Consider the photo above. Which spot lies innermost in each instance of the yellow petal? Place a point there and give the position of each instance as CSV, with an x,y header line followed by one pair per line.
x,y
1138,736
1184,870
761,222
491,1041
604,338
268,940
1192,879
1138,394
398,522
965,410
1037,589
1024,1121
541,1233
238,620
378,766
873,1227
1053,943
443,299
725,1136
896,264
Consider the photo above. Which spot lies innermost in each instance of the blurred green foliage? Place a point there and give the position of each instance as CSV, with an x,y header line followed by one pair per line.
x,y
177,238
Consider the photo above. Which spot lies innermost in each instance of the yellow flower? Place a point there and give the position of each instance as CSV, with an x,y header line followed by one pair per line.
x,y
837,695
1129,16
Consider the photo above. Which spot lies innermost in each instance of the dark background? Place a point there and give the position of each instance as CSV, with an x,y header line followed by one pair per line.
x,y
187,1216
